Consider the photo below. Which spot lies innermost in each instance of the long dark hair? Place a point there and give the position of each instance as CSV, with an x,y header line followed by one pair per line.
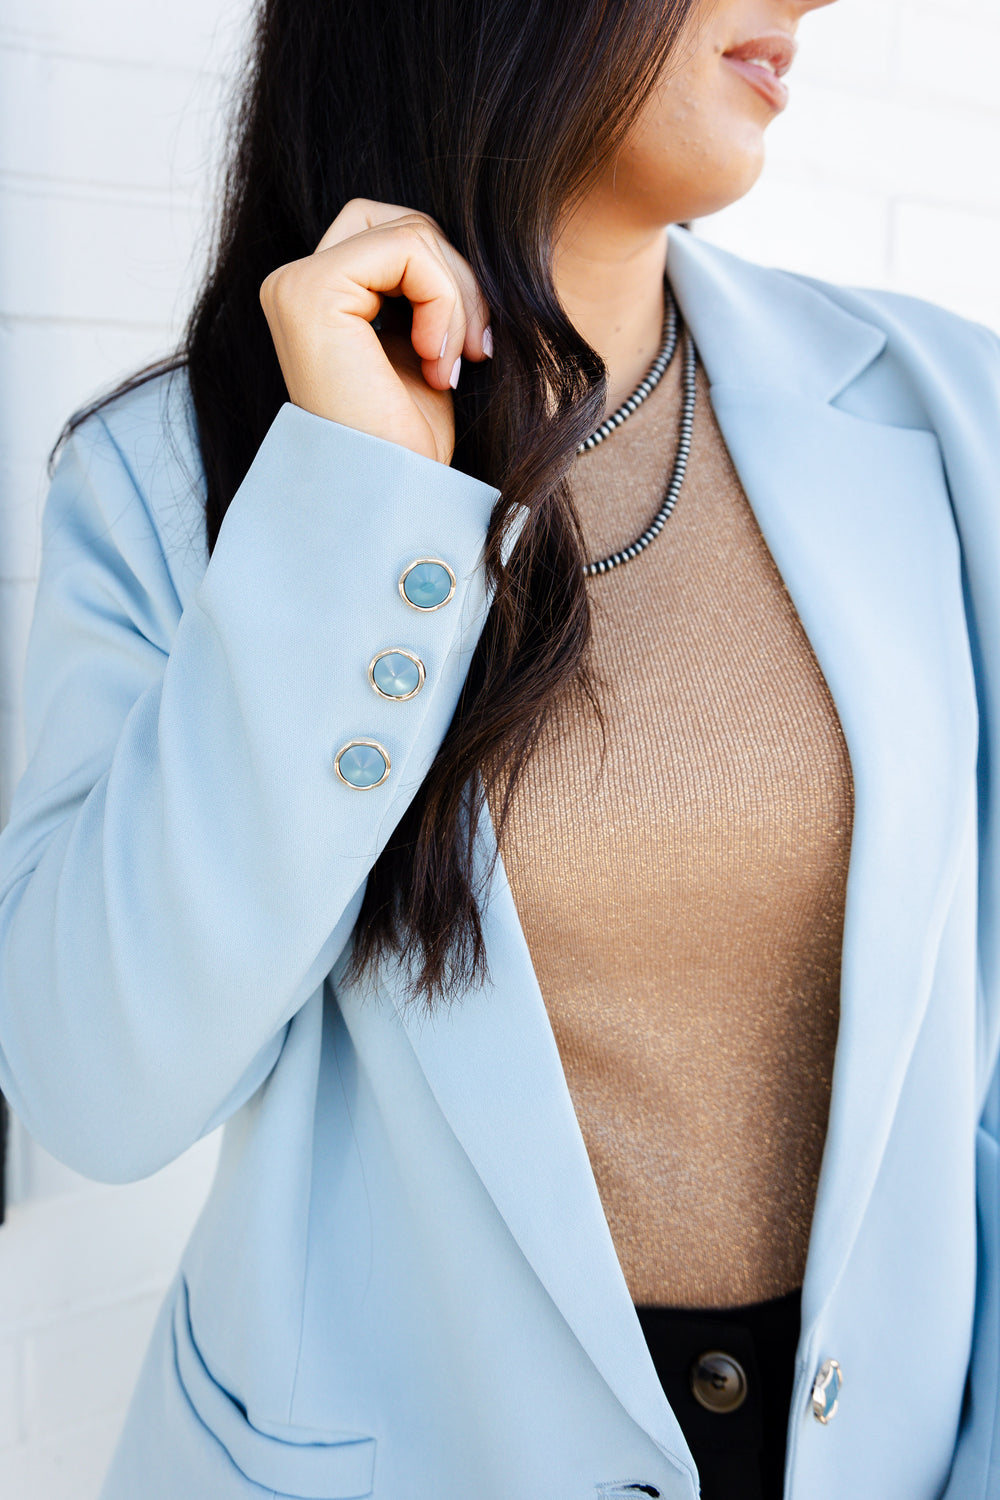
x,y
493,116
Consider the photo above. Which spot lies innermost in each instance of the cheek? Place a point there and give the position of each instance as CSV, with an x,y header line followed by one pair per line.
x,y
700,135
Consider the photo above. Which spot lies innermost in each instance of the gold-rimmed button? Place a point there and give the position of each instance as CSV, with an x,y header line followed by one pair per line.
x,y
362,764
427,583
396,674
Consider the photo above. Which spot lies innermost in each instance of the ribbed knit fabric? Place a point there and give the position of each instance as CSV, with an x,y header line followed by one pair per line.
x,y
683,904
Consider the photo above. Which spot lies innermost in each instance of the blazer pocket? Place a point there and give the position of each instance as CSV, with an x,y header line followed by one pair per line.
x,y
298,1466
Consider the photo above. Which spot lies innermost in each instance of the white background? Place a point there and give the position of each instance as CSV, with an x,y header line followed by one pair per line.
x,y
881,172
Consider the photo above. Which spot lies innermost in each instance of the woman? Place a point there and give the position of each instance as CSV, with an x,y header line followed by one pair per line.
x,y
537,1178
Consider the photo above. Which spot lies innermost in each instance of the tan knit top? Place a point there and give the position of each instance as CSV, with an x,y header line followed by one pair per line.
x,y
683,904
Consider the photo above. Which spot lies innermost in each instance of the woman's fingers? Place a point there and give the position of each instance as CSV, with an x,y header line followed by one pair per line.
x,y
476,313
393,383
464,333
398,260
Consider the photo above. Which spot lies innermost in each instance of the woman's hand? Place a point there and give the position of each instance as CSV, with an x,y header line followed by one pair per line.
x,y
395,384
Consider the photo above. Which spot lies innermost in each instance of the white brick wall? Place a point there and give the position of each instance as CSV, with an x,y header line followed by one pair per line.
x,y
881,171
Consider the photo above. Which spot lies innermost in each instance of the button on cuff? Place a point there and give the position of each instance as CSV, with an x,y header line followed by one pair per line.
x,y
362,764
427,584
396,674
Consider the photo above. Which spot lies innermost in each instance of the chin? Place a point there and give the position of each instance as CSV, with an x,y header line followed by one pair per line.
x,y
732,181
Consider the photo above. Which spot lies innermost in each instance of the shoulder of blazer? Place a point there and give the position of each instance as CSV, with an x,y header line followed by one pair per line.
x,y
140,459
152,429
888,306
939,370
961,348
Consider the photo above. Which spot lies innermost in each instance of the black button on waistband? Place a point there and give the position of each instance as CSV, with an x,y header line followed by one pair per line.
x,y
718,1381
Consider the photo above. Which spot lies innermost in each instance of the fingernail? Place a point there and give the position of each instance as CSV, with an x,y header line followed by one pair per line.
x,y
453,377
488,341
444,345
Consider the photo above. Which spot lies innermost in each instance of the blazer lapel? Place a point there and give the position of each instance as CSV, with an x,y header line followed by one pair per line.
x,y
492,1063
856,515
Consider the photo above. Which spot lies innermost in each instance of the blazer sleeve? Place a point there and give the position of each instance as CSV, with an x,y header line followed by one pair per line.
x,y
182,864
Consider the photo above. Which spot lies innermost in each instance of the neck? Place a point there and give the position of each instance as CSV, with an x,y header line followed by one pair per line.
x,y
611,288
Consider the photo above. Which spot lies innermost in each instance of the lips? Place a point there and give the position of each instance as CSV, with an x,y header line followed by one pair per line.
x,y
763,60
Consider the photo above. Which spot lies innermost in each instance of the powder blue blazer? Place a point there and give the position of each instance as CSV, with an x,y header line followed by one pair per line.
x,y
402,1283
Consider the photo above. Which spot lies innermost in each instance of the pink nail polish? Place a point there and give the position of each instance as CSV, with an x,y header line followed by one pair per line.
x,y
453,377
444,345
488,341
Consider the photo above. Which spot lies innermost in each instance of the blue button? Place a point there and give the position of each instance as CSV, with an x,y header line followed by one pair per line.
x,y
362,764
397,674
427,583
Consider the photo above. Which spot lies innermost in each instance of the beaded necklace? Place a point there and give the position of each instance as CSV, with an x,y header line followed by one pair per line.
x,y
672,324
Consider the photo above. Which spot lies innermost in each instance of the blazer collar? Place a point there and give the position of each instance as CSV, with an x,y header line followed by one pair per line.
x,y
757,326
856,515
